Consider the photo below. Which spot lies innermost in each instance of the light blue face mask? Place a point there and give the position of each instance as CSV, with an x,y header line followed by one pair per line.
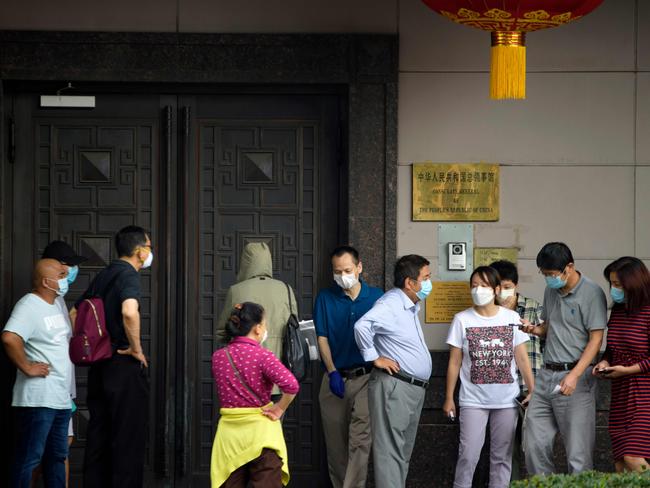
x,y
425,290
63,286
73,271
617,294
555,282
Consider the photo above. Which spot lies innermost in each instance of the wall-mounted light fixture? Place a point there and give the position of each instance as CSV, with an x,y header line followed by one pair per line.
x,y
67,101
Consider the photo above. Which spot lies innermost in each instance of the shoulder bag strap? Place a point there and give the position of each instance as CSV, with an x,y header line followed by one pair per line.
x,y
289,294
97,322
236,371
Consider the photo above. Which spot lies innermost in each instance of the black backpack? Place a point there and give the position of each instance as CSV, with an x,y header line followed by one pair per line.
x,y
295,352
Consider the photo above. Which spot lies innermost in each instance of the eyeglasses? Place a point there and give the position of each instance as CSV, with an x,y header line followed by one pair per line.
x,y
550,274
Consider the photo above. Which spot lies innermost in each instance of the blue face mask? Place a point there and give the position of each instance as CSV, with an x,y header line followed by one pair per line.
x,y
73,271
63,286
617,294
555,282
425,290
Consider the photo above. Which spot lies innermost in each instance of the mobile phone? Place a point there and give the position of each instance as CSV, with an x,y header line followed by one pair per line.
x,y
520,401
603,371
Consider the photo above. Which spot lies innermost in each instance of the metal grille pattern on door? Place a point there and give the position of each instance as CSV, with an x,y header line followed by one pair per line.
x,y
258,182
94,178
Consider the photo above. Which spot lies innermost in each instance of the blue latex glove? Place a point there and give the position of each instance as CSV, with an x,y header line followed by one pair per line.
x,y
337,386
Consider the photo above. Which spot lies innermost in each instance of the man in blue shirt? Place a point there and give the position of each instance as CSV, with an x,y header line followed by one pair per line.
x,y
390,335
344,390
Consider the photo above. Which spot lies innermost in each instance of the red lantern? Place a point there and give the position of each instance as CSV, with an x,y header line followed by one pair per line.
x,y
508,21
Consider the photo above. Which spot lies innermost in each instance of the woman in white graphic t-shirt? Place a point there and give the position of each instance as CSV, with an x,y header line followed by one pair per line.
x,y
486,348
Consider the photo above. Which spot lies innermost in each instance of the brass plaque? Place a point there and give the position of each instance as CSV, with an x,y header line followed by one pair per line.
x,y
446,299
484,256
456,192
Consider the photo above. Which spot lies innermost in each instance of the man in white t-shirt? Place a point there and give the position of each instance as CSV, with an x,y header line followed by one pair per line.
x,y
36,339
66,255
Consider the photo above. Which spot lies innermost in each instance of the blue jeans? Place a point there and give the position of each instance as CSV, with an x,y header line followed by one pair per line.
x,y
43,439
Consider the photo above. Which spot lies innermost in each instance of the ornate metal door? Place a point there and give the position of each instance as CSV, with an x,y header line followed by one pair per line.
x,y
274,179
80,179
205,174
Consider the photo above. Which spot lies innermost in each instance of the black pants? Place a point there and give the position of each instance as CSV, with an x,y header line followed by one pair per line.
x,y
118,401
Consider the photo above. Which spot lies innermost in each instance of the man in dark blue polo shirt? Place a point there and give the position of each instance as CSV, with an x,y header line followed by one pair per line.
x,y
344,390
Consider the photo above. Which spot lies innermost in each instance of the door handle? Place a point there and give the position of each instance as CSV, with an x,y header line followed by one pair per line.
x,y
185,385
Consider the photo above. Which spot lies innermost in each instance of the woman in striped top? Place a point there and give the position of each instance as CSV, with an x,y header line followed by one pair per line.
x,y
627,363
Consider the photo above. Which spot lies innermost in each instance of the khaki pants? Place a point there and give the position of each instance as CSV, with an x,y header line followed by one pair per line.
x,y
346,425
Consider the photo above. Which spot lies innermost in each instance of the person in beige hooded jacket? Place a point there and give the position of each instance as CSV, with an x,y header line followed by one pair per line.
x,y
255,283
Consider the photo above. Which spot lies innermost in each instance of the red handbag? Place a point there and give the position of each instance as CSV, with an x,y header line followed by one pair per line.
x,y
90,340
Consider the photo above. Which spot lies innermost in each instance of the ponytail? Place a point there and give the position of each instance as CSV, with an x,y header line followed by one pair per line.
x,y
243,318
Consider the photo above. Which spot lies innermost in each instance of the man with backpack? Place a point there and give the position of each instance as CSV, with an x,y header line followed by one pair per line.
x,y
255,283
118,387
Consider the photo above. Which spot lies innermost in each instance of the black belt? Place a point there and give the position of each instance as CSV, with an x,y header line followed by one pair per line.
x,y
560,366
355,372
407,379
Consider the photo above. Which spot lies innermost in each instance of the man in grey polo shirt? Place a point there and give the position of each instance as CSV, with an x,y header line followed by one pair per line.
x,y
574,320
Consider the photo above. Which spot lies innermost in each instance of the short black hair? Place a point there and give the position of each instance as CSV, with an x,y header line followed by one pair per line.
x,y
128,239
243,318
341,250
554,256
507,270
408,266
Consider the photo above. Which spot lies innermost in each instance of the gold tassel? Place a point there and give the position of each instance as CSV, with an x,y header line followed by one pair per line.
x,y
508,65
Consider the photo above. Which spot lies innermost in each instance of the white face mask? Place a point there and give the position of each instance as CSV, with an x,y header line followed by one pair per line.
x,y
482,295
346,281
505,294
148,261
265,336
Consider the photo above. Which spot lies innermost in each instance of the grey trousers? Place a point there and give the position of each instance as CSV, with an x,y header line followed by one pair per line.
x,y
473,422
395,408
346,425
573,416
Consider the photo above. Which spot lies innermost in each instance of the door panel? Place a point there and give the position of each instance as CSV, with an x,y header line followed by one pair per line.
x,y
84,178
94,177
260,179
206,174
